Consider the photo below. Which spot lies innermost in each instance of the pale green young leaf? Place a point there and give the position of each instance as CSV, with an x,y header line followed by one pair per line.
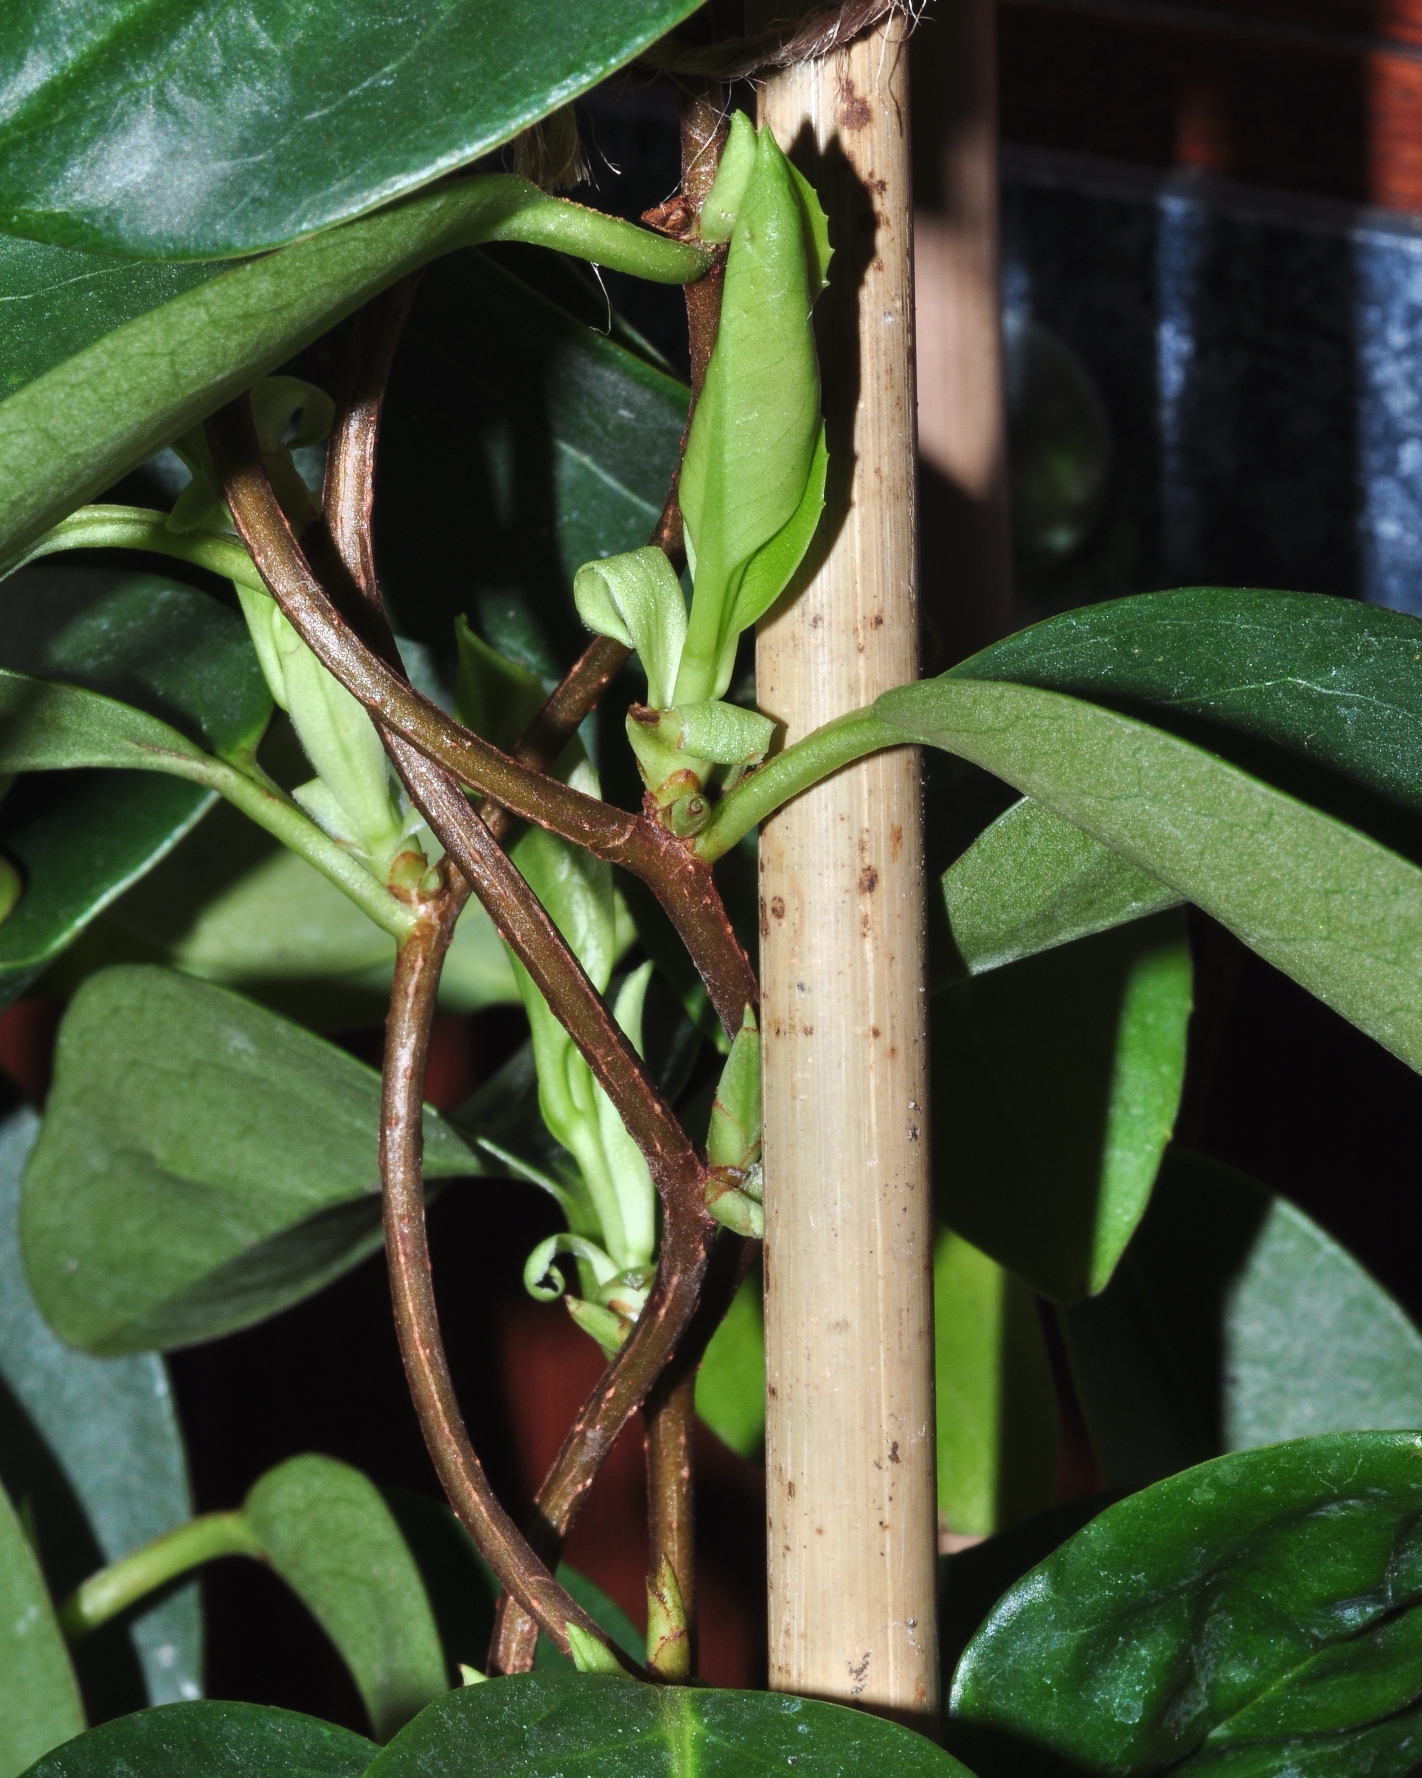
x,y
730,1386
996,1403
202,1164
733,1139
753,435
733,174
494,696
1325,903
636,599
772,567
333,1540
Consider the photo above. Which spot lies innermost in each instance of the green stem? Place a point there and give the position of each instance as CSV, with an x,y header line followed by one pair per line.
x,y
838,743
138,527
281,818
123,1583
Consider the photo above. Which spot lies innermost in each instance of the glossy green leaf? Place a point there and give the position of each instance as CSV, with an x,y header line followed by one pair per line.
x,y
202,1164
459,1583
1257,1615
92,1448
542,1724
39,1696
79,840
555,449
162,647
996,1404
1056,1083
1325,903
57,302
1031,881
1319,696
334,1541
218,1740
604,1612
1234,1321
144,640
188,131
730,1386
72,431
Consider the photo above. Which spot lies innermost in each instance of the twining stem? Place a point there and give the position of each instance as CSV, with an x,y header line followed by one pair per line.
x,y
681,882
669,1419
123,1583
825,750
669,1412
412,1001
675,1295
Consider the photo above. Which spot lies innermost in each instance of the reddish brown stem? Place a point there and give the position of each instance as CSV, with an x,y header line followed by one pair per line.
x,y
671,1406
680,881
412,1001
675,1297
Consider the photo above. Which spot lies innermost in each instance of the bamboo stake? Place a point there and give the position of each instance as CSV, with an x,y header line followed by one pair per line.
x,y
849,1348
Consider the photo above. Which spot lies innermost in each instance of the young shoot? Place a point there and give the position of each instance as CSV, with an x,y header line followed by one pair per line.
x,y
751,491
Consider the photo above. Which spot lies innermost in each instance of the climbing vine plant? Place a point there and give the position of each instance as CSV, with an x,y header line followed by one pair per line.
x,y
403,732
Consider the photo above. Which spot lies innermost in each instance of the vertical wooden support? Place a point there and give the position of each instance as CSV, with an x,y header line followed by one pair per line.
x,y
849,1325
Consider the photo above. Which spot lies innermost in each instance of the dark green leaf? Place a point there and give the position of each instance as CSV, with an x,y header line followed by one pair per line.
x,y
1318,696
80,839
57,302
161,648
1055,1090
1032,881
1257,1615
996,1405
1234,1321
459,1583
555,448
333,1540
603,1611
1323,902
39,1697
542,1724
74,430
189,131
92,1447
463,1590
142,639
202,1164
215,1740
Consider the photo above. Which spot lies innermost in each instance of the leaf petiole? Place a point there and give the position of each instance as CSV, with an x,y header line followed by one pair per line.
x,y
123,1583
758,796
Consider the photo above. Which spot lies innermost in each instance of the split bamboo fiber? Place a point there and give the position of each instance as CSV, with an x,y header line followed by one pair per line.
x,y
848,1242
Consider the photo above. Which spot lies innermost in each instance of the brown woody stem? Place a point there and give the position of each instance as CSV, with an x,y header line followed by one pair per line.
x,y
472,847
680,881
412,1002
